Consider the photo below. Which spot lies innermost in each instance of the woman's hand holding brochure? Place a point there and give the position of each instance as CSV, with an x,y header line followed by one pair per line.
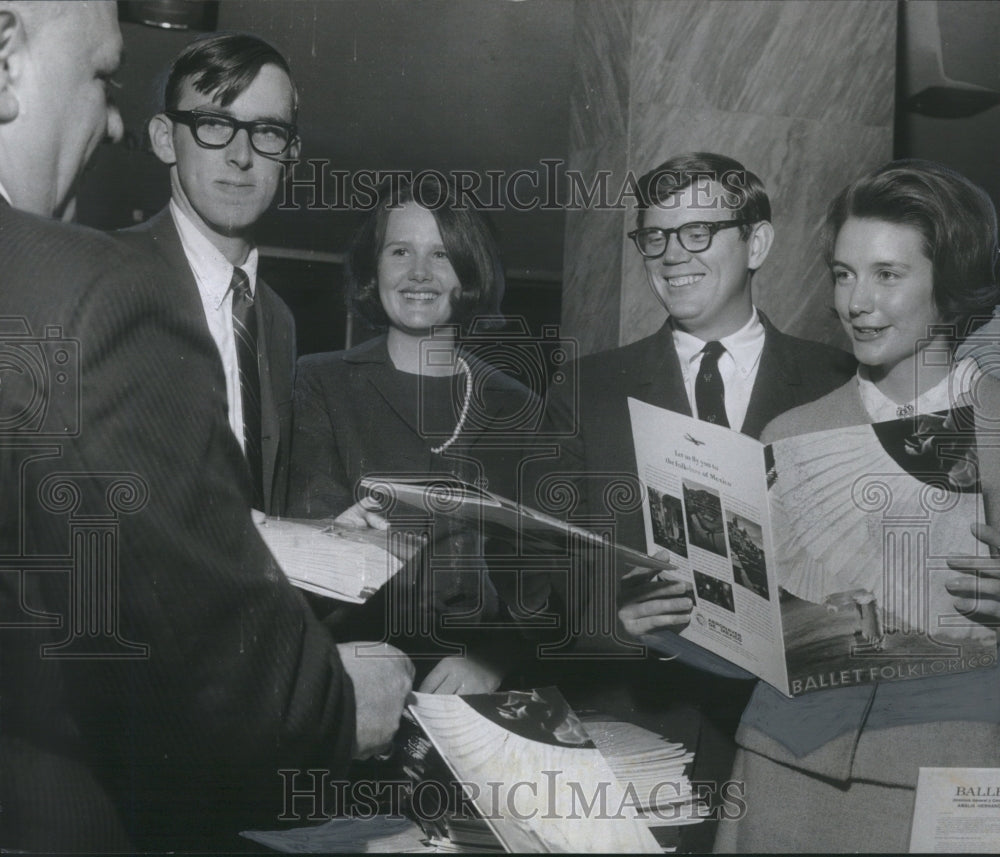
x,y
977,591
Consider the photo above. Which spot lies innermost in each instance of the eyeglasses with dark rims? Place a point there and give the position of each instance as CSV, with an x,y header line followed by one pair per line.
x,y
652,241
216,131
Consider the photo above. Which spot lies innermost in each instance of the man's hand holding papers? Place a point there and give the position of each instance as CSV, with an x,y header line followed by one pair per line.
x,y
650,602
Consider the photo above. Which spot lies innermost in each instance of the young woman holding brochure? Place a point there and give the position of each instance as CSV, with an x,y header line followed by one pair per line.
x,y
417,401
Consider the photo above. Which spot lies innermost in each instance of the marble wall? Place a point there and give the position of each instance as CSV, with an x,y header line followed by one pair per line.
x,y
800,92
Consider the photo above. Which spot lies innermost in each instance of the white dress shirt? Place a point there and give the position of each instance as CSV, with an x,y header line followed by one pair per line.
x,y
213,273
5,195
738,365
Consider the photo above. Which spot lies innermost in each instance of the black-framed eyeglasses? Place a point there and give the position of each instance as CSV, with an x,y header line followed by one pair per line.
x,y
651,241
216,131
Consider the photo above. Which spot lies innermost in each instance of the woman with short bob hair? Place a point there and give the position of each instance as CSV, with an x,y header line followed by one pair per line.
x,y
956,221
468,239
912,248
416,401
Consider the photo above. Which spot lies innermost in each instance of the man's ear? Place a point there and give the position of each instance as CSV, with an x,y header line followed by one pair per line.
x,y
294,149
760,241
161,138
11,62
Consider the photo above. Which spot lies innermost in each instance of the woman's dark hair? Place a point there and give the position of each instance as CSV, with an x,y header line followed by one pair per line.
x,y
468,239
956,220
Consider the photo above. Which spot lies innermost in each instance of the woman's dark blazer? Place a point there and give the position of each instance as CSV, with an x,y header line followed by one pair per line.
x,y
356,415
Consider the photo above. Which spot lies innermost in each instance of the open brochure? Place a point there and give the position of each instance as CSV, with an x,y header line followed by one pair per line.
x,y
346,563
494,515
515,770
818,561
528,767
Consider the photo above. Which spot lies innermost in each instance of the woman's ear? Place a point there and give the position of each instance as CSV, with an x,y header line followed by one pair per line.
x,y
760,240
161,138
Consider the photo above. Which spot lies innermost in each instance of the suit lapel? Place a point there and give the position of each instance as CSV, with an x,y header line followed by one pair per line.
x,y
777,378
375,366
163,233
383,378
270,430
662,382
167,243
493,400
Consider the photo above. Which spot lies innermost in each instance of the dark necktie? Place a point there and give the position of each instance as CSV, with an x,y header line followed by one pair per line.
x,y
245,331
709,391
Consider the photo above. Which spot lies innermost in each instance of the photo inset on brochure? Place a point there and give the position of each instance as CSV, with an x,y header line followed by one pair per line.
x,y
718,592
668,521
704,518
746,547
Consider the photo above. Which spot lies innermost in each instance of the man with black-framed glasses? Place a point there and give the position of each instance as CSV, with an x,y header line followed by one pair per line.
x,y
228,121
703,230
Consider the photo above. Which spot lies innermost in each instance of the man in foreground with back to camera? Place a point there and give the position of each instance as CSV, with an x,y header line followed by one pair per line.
x,y
228,118
704,229
148,705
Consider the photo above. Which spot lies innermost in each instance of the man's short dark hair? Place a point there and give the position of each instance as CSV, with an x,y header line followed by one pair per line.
x,y
468,238
743,191
222,66
956,221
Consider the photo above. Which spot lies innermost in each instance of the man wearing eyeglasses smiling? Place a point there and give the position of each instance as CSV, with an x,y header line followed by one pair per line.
x,y
703,230
228,121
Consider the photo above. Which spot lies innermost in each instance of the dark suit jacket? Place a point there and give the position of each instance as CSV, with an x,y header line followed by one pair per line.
x,y
792,372
188,671
276,343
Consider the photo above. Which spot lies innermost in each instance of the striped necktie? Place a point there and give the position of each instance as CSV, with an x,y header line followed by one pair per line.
x,y
709,391
245,331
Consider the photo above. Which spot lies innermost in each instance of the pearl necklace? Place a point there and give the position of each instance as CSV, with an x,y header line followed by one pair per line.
x,y
465,408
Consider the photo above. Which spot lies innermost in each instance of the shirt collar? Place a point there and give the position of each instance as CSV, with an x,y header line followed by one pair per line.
x,y
212,269
951,391
744,346
5,195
